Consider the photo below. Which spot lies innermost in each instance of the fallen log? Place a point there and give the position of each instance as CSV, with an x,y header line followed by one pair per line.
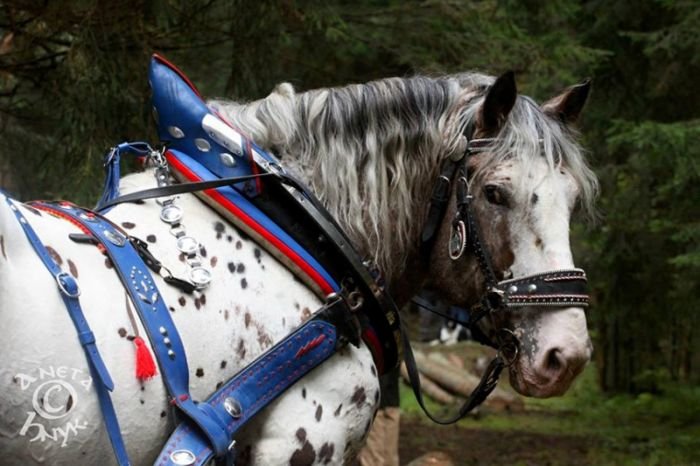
x,y
462,383
430,388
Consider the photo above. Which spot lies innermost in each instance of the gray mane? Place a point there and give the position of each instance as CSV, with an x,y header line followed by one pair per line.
x,y
371,151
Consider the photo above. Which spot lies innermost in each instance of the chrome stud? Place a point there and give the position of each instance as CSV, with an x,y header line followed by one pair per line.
x,y
200,276
171,354
171,214
233,407
227,159
182,457
187,245
163,331
531,288
202,144
115,238
176,132
512,289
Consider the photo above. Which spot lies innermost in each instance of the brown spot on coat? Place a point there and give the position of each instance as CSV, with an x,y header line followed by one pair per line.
x,y
325,454
122,332
304,456
303,392
319,413
108,263
258,254
239,245
226,314
197,303
301,434
151,238
213,261
72,268
203,251
246,319
336,413
241,351
200,372
231,267
244,283
2,246
128,225
359,396
54,255
305,314
223,365
240,268
181,300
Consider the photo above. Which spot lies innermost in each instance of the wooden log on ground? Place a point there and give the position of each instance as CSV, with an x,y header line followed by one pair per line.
x,y
463,383
434,458
430,388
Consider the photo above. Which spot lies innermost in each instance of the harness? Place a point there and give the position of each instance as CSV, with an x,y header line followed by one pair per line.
x,y
251,188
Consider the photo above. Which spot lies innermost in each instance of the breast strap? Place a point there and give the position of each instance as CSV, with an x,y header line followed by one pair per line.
x,y
70,293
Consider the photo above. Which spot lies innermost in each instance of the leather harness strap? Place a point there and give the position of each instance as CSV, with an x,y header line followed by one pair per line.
x,y
155,317
70,293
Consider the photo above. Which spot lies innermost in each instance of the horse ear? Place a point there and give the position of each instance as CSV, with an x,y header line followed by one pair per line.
x,y
498,103
567,106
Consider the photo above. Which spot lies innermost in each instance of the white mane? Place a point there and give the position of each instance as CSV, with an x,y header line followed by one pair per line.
x,y
371,151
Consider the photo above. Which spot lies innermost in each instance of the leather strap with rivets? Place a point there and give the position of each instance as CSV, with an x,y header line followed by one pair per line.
x,y
153,312
70,294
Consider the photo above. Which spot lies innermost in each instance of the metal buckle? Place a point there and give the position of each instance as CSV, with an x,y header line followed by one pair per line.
x,y
60,281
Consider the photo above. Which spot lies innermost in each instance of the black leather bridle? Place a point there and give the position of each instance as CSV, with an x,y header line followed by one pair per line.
x,y
553,289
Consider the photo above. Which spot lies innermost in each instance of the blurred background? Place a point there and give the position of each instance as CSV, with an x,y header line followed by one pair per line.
x,y
73,83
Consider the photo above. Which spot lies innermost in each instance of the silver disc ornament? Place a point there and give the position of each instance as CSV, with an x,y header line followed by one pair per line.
x,y
458,240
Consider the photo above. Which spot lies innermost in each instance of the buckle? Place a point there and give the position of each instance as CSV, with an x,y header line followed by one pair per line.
x,y
65,281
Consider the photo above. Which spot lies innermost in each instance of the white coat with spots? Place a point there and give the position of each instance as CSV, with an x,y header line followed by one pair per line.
x,y
252,302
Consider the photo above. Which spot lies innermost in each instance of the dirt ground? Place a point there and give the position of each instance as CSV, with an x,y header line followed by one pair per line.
x,y
467,447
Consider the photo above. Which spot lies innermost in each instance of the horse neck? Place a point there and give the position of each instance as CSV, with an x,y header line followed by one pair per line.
x,y
369,152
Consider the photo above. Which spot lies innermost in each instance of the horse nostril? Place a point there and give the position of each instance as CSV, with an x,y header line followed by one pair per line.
x,y
554,360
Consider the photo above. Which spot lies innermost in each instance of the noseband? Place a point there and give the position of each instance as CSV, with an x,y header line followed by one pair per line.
x,y
552,289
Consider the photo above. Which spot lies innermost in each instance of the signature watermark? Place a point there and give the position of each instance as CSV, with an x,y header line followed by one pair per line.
x,y
55,394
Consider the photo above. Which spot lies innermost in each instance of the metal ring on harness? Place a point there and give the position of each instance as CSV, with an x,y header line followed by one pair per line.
x,y
508,346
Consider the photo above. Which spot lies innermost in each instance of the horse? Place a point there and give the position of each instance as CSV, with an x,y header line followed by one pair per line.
x,y
371,153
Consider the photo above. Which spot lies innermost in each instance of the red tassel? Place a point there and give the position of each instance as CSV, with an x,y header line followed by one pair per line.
x,y
145,367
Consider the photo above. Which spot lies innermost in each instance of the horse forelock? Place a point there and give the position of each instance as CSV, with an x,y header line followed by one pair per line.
x,y
529,133
371,151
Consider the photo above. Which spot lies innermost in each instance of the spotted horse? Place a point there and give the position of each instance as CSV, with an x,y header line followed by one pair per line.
x,y
221,305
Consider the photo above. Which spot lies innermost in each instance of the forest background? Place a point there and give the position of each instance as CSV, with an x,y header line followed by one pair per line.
x,y
73,83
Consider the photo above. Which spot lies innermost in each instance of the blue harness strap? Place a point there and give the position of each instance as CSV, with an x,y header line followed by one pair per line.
x,y
164,337
243,396
70,292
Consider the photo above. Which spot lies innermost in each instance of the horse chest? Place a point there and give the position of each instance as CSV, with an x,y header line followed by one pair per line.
x,y
252,302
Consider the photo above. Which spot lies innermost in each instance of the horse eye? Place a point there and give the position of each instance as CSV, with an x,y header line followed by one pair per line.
x,y
494,194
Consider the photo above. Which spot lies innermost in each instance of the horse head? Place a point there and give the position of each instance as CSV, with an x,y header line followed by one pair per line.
x,y
525,178
372,153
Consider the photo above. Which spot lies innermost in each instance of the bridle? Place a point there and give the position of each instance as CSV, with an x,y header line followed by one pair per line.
x,y
552,289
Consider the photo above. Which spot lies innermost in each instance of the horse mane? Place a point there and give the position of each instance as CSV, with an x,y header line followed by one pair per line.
x,y
370,152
